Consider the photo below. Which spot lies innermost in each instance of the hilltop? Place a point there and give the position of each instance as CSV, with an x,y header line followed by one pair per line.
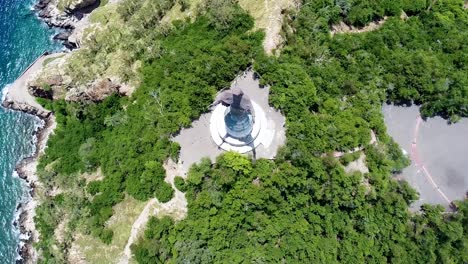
x,y
112,190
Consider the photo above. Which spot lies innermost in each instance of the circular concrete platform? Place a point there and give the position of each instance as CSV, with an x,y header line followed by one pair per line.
x,y
228,143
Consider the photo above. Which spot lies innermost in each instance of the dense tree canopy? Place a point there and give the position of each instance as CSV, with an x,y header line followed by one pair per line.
x,y
272,212
303,208
421,59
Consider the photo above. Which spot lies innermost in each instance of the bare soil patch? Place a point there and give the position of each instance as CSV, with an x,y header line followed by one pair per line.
x,y
343,28
268,15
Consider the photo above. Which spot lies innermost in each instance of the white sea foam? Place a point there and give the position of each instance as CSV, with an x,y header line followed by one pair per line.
x,y
5,91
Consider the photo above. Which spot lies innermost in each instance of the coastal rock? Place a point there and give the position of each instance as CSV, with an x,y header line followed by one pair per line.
x,y
70,45
65,38
45,14
26,170
64,14
97,92
53,17
62,36
41,4
39,92
82,4
25,108
78,32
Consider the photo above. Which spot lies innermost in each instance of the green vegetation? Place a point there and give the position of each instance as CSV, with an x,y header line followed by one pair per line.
x,y
49,60
300,208
350,157
128,138
361,12
124,215
309,214
421,59
180,184
126,35
303,208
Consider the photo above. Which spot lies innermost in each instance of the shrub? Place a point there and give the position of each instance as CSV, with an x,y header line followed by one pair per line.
x,y
164,192
179,182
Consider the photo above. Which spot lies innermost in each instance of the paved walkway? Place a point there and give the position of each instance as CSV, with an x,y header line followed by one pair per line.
x,y
196,141
438,151
18,91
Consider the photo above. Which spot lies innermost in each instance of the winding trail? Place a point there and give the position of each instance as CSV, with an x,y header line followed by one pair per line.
x,y
138,225
176,208
415,157
338,154
343,28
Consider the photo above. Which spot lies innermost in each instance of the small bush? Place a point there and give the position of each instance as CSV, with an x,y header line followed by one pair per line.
x,y
164,192
106,235
94,187
350,157
180,184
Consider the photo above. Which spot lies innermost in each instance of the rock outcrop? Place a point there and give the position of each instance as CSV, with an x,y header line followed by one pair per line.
x,y
10,104
96,92
63,36
53,17
64,14
80,5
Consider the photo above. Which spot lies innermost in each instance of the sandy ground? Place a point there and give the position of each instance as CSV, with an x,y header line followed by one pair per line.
x,y
438,151
18,91
268,16
358,165
196,142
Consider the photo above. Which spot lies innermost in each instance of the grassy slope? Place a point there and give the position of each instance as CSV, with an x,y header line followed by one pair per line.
x,y
94,250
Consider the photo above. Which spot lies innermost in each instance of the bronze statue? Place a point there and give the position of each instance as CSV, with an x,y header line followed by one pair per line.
x,y
239,116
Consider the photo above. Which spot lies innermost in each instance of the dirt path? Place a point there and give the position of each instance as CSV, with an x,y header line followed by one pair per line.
x,y
176,208
373,140
138,225
343,28
268,15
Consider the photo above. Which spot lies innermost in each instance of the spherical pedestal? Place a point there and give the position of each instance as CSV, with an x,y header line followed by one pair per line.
x,y
227,142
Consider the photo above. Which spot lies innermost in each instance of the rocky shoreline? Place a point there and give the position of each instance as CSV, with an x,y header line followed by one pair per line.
x,y
26,170
65,18
47,11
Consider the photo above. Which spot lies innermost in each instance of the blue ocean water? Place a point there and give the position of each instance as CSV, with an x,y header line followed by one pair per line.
x,y
22,39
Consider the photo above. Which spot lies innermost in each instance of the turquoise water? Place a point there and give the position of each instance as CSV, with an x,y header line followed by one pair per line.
x,y
22,39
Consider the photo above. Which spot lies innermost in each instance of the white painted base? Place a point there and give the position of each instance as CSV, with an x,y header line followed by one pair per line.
x,y
259,134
